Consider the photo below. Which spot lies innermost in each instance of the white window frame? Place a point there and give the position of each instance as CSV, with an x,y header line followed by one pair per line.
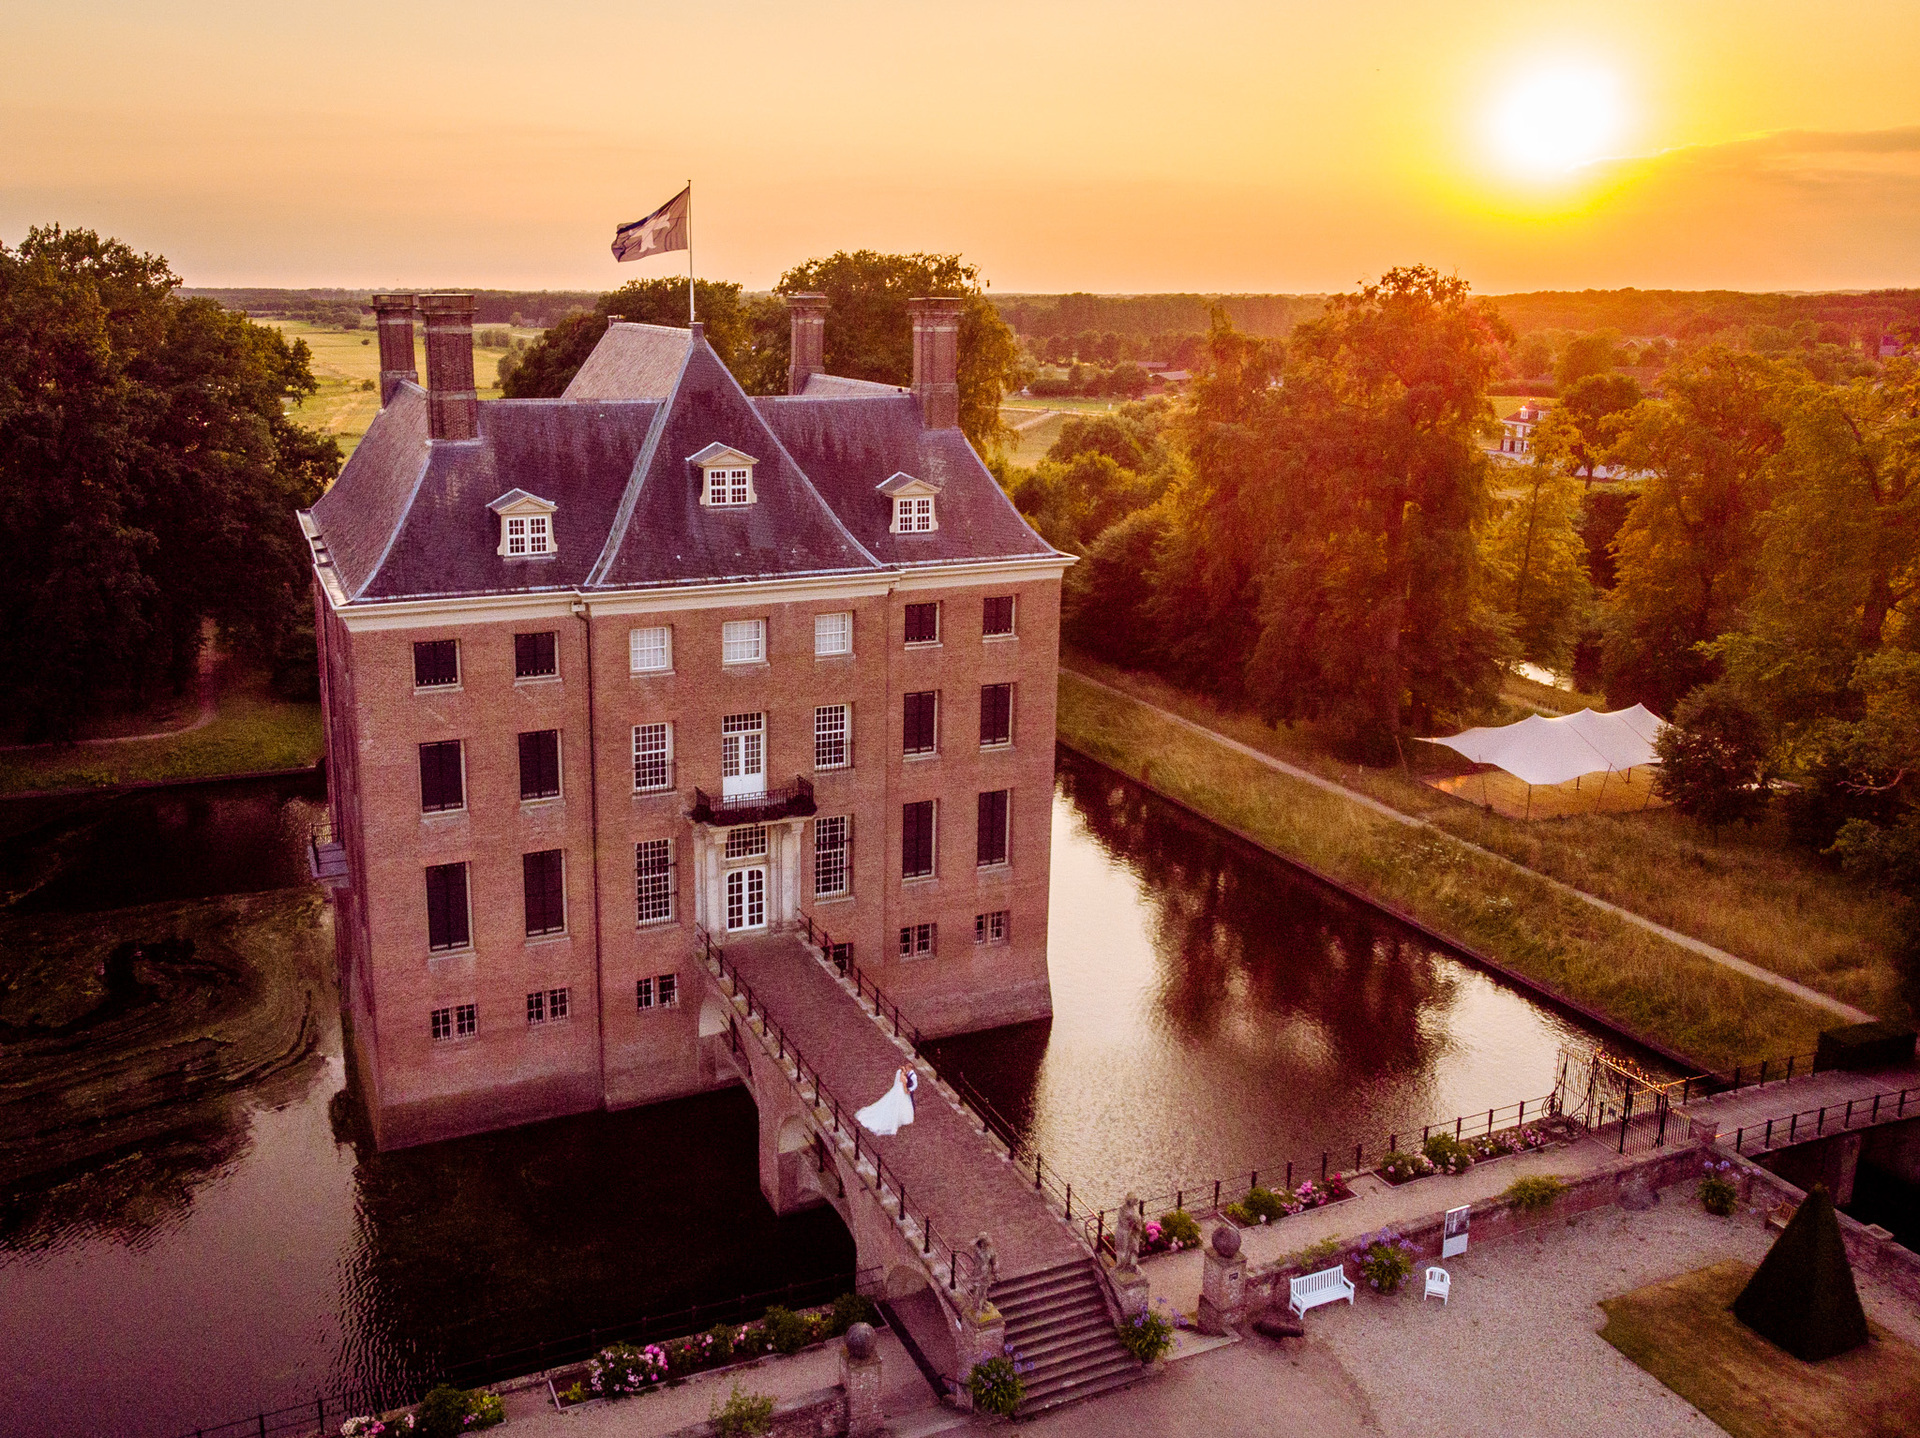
x,y
526,529
743,641
660,991
991,927
663,755
727,486
748,841
919,941
651,885
1012,631
824,736
833,634
645,643
914,514
466,1021
549,1006
832,853
740,902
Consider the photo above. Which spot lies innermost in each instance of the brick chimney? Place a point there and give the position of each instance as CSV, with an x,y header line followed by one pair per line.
x,y
807,354
393,318
453,410
936,359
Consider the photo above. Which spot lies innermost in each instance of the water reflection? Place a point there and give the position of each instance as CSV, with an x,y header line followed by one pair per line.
x,y
1217,1010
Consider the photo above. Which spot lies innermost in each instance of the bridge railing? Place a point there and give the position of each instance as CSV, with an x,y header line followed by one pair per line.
x,y
1785,1131
829,1108
1021,1153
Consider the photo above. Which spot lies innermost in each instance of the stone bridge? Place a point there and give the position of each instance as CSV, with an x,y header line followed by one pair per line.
x,y
810,1050
1819,1127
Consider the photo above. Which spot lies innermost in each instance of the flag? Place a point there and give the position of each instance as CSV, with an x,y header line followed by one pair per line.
x,y
665,229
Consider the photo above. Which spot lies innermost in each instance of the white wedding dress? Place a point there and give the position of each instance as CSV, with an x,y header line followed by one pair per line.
x,y
893,1110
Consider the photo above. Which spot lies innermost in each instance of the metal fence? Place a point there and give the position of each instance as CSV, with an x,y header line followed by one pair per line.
x,y
1884,1107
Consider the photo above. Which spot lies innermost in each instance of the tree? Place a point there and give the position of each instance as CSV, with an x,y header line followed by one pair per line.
x,y
1534,357
1073,501
1536,551
550,363
1585,356
1591,417
870,333
148,477
1108,598
1713,758
1687,553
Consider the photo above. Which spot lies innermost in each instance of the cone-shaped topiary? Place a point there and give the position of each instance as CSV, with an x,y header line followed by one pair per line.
x,y
1802,1295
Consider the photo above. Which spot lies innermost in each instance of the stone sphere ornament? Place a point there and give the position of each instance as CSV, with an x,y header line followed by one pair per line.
x,y
860,1341
1226,1240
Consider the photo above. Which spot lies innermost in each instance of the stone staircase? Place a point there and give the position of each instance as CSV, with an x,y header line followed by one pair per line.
x,y
1058,1321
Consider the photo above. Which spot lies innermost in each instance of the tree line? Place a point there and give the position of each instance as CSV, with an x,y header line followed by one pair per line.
x,y
149,471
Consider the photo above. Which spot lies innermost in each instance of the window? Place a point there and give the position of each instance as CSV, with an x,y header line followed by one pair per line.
x,y
442,1020
662,991
535,656
653,880
998,616
447,923
832,634
529,535
548,1005
913,515
526,525
643,993
442,786
743,754
650,651
461,1021
743,641
920,723
652,756
990,928
436,663
993,828
916,839
746,899
540,764
544,876
996,715
832,842
747,843
830,737
923,623
916,940
729,486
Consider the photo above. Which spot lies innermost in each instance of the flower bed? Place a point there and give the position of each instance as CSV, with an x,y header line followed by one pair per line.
x,y
622,1369
1443,1153
1509,1141
1174,1233
1265,1205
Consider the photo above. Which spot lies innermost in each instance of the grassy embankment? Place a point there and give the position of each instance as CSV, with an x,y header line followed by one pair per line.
x,y
253,731
347,365
1747,893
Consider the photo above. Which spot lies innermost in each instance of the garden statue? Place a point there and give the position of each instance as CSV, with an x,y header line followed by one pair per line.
x,y
1126,1235
982,1273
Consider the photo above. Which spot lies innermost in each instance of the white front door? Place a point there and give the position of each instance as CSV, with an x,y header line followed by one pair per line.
x,y
743,755
746,899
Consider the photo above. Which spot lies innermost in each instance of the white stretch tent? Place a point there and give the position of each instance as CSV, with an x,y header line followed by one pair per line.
x,y
1552,751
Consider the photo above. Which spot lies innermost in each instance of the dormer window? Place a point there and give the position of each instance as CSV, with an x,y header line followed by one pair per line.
x,y
726,476
526,525
913,504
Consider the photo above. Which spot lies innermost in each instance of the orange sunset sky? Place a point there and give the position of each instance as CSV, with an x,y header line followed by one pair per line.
x,y
1211,145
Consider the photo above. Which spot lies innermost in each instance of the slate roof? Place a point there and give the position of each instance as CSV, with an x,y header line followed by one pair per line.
x,y
410,519
632,361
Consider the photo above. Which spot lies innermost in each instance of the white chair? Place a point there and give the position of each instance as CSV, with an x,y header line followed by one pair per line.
x,y
1438,1282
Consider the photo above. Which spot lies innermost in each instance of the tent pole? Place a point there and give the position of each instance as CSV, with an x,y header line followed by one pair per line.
x,y
1529,801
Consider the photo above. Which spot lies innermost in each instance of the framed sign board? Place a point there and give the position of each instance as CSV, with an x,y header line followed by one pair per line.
x,y
1455,1240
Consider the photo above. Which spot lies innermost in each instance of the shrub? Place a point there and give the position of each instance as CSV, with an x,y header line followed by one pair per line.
x,y
996,1384
1314,1255
1147,1335
722,1336
1384,1259
1717,1193
849,1309
1264,1204
447,1412
620,1369
1405,1167
1534,1192
1447,1154
1240,1214
742,1415
786,1330
1174,1232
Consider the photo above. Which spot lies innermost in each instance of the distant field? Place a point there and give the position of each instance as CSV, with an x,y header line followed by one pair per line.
x,y
1034,439
347,364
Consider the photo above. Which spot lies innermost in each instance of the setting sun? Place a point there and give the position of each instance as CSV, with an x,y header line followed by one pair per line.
x,y
1557,118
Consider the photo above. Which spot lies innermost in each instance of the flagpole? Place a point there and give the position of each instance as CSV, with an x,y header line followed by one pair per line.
x,y
690,320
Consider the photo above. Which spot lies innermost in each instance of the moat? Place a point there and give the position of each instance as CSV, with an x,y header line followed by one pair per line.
x,y
1214,1010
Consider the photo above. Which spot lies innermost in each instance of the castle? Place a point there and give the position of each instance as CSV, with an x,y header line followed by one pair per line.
x,y
653,657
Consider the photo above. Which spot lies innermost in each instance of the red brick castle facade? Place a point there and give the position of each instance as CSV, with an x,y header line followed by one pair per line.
x,y
656,654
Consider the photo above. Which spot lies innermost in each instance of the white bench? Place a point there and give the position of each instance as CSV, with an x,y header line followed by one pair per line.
x,y
1310,1290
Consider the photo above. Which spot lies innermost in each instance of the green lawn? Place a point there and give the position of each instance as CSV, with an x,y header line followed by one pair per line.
x,y
254,730
1646,983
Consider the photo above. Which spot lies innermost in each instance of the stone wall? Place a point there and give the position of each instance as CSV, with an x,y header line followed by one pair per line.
x,y
1878,1258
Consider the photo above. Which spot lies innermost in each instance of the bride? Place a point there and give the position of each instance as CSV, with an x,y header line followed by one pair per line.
x,y
893,1110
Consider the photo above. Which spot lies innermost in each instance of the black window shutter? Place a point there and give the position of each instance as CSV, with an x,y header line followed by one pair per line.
x,y
998,618
546,906
996,713
993,827
923,623
440,782
447,906
916,839
533,655
918,721
436,662
540,764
